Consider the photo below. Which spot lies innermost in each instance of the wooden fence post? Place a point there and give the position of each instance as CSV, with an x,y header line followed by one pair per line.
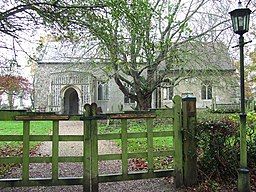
x,y
189,140
94,148
87,149
178,158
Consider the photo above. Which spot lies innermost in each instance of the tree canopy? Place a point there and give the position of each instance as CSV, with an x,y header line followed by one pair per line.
x,y
140,42
13,86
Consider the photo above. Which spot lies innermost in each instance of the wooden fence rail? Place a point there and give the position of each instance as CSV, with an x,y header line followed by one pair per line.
x,y
90,158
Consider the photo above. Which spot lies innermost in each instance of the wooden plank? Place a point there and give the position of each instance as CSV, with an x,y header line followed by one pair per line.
x,y
70,159
71,138
178,143
40,159
87,150
150,146
135,176
124,147
94,147
109,136
132,116
55,151
40,138
40,182
11,137
109,157
189,142
41,118
25,160
10,160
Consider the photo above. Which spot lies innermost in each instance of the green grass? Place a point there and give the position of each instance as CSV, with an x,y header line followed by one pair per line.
x,y
16,128
140,144
14,148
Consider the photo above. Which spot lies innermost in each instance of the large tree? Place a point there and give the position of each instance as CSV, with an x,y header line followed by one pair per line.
x,y
143,41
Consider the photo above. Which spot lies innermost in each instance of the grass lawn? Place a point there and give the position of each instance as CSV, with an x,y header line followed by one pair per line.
x,y
14,148
140,144
16,128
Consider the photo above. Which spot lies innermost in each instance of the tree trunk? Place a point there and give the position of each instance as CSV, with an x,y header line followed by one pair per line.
x,y
10,101
144,102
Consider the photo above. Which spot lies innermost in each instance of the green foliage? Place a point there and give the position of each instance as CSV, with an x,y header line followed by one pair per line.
x,y
251,135
218,147
206,115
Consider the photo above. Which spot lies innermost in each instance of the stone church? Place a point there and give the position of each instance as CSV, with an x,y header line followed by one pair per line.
x,y
66,80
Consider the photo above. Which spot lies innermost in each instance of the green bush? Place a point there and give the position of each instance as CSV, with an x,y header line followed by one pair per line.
x,y
251,136
218,149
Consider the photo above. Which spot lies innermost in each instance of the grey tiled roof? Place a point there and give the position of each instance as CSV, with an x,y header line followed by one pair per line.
x,y
206,56
57,52
193,56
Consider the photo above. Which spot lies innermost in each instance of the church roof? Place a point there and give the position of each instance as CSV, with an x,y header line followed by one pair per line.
x,y
193,55
58,52
206,56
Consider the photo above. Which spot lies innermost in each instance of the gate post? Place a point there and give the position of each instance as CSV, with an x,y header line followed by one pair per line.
x,y
87,149
177,127
189,140
94,150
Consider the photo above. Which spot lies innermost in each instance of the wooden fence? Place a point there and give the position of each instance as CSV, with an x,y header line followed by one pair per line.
x,y
182,151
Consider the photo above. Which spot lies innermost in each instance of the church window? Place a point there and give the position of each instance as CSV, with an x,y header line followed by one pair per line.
x,y
167,90
206,91
167,93
85,94
103,90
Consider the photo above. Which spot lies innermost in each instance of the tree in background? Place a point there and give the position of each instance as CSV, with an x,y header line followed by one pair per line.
x,y
13,86
250,75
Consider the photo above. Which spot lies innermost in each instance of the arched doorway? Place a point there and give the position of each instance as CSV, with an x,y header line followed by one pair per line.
x,y
71,102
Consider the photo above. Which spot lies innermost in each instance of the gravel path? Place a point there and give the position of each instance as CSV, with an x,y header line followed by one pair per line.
x,y
75,169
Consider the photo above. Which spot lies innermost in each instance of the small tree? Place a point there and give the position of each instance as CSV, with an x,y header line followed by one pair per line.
x,y
13,86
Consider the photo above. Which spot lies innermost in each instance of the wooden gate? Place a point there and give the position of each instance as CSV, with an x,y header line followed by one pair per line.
x,y
90,138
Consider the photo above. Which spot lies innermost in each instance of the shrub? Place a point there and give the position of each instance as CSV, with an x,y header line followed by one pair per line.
x,y
251,136
218,149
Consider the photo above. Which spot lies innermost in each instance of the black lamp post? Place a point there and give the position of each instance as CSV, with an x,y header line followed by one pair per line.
x,y
240,21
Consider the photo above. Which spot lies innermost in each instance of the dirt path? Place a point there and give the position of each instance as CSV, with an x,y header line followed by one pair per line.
x,y
75,169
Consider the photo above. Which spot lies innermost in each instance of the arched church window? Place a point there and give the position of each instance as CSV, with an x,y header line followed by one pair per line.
x,y
206,91
167,90
103,90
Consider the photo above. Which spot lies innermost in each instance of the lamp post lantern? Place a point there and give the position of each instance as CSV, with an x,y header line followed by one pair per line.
x,y
240,22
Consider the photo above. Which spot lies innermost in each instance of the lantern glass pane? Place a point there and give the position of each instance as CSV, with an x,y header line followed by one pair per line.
x,y
241,23
235,24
